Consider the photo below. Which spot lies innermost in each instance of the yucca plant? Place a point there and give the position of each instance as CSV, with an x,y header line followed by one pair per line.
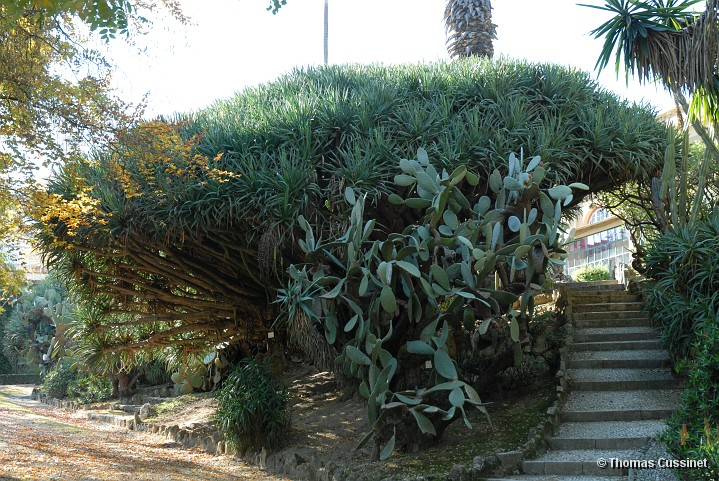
x,y
683,296
253,411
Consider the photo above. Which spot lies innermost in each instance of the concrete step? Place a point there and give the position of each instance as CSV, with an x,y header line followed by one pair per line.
x,y
578,462
540,477
598,334
650,358
579,288
595,284
605,434
619,405
594,297
642,344
613,322
606,306
595,289
593,315
621,379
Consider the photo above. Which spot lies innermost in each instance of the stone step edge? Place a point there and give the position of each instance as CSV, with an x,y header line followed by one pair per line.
x,y
542,477
574,443
570,468
640,363
616,415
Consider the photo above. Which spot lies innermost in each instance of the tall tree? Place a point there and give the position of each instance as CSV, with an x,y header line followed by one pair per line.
x,y
55,100
469,26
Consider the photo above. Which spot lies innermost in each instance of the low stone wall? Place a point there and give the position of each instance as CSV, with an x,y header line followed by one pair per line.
x,y
6,379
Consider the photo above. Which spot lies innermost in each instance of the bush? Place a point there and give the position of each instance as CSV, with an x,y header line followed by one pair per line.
x,y
530,369
156,373
252,410
699,409
681,297
57,380
593,273
89,388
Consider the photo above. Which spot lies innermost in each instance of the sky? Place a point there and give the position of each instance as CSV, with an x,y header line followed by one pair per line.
x,y
233,44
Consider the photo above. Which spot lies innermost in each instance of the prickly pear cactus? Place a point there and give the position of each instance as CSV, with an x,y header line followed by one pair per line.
x,y
394,302
204,374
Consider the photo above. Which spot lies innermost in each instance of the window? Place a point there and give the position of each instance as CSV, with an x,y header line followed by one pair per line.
x,y
598,216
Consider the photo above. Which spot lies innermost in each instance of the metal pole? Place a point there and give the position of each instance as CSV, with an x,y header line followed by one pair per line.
x,y
326,29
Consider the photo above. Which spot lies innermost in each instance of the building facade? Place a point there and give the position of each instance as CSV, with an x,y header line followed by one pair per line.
x,y
600,239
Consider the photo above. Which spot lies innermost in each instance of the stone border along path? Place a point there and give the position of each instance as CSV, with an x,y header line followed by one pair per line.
x,y
621,390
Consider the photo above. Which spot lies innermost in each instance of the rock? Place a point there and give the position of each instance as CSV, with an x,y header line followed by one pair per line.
x,y
262,457
209,445
478,463
510,461
145,411
456,473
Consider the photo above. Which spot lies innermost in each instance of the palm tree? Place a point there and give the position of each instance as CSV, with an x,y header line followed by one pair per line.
x,y
469,27
663,40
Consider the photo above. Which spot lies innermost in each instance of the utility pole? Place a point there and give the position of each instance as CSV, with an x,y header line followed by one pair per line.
x,y
326,29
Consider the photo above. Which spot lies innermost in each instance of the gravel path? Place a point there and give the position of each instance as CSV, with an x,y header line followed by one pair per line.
x,y
38,443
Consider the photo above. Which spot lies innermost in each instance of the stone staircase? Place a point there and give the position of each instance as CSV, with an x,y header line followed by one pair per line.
x,y
620,387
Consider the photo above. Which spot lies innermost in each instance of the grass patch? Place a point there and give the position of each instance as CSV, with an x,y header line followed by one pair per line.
x,y
177,404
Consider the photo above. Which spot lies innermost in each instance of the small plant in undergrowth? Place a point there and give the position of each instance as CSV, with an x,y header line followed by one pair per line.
x,y
556,338
524,374
57,380
89,388
156,373
252,410
694,428
593,273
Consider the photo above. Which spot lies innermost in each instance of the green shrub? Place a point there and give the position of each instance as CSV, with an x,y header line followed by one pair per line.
x,y
89,388
252,410
682,294
681,297
592,273
156,373
5,366
57,380
699,409
524,374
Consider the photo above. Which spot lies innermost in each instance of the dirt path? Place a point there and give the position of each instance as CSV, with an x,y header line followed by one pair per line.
x,y
38,443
